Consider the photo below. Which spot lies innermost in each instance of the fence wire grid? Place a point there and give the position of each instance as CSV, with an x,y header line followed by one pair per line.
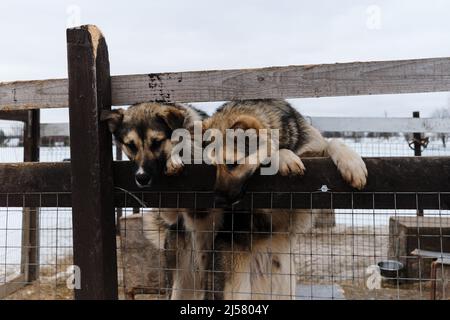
x,y
337,254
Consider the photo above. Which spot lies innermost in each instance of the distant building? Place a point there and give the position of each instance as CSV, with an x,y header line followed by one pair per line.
x,y
55,134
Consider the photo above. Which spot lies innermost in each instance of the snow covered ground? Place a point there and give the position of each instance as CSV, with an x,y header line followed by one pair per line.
x,y
55,223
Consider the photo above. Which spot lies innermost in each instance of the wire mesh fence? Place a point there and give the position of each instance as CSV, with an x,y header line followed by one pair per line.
x,y
335,253
45,245
396,146
338,253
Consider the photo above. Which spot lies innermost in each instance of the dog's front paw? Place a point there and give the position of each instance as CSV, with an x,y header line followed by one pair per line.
x,y
353,170
290,164
349,163
174,166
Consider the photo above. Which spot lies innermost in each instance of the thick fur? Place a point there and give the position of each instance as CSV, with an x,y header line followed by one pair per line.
x,y
253,257
242,255
297,139
187,244
144,133
257,261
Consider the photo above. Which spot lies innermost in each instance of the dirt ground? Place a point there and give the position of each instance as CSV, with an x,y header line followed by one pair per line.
x,y
342,254
338,255
51,284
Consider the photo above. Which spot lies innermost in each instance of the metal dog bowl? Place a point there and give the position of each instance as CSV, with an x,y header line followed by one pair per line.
x,y
390,268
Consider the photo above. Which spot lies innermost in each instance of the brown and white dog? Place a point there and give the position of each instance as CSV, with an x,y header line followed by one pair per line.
x,y
144,133
257,261
232,255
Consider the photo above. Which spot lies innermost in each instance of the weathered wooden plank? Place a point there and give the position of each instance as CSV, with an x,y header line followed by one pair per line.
x,y
14,115
30,218
398,174
30,248
401,183
31,136
39,177
323,80
36,94
407,125
94,236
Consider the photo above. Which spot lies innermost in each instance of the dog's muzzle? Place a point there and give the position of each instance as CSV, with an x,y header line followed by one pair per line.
x,y
143,179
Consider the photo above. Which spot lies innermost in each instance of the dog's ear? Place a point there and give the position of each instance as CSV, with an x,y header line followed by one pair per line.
x,y
173,117
114,118
245,122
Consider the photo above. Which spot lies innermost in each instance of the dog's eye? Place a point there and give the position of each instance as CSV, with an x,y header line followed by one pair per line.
x,y
231,166
131,146
156,144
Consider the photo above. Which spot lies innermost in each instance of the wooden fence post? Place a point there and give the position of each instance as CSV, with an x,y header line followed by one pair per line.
x,y
94,237
118,210
417,137
30,216
417,150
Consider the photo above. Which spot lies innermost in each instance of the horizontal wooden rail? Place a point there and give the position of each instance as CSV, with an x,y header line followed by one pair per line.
x,y
402,183
322,80
16,115
35,94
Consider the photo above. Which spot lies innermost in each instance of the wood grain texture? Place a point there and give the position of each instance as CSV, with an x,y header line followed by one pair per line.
x,y
14,115
397,174
37,177
36,94
323,80
30,250
93,219
327,80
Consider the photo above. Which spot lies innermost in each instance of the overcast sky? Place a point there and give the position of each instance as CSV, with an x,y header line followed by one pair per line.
x,y
179,35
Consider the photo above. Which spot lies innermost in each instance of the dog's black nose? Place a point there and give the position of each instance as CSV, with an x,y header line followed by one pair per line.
x,y
142,179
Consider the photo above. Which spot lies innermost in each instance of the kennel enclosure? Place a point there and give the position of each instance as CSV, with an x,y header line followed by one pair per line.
x,y
87,183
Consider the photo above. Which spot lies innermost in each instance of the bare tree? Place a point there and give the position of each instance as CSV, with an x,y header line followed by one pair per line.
x,y
2,138
442,113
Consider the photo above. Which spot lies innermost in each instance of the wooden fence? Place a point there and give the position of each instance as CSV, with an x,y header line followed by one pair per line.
x,y
87,182
29,264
